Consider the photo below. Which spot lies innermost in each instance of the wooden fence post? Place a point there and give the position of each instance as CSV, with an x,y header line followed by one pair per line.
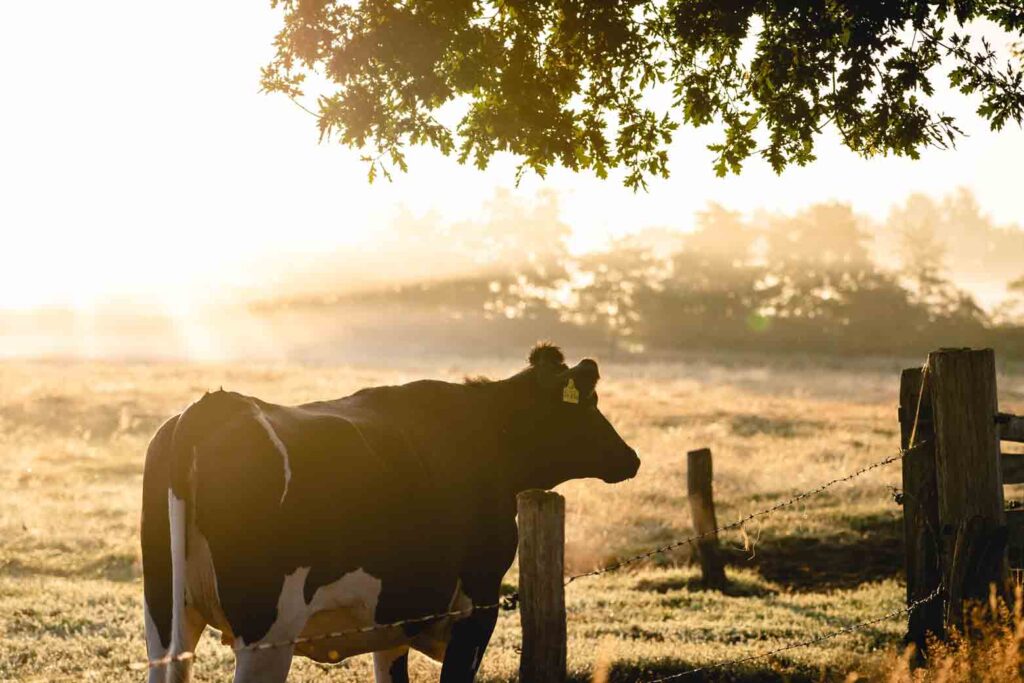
x,y
542,586
972,522
702,510
920,507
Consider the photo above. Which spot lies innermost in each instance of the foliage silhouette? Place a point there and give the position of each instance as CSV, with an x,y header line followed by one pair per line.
x,y
600,85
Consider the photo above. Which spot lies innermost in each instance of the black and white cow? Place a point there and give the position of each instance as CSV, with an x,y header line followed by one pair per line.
x,y
271,522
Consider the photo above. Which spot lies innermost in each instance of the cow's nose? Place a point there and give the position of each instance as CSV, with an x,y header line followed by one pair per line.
x,y
634,464
626,466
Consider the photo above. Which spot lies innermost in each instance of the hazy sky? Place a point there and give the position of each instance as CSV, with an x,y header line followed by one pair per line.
x,y
137,158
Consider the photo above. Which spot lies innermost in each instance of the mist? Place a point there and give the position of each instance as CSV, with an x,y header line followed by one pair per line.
x,y
825,279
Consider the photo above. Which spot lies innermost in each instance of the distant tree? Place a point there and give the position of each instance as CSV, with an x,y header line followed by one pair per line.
x,y
814,260
1010,311
598,85
922,249
600,291
713,279
720,238
952,241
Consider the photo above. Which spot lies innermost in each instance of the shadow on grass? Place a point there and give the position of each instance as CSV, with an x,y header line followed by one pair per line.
x,y
736,587
117,567
745,673
872,550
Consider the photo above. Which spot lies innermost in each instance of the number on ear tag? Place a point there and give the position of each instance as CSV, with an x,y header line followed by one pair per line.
x,y
570,394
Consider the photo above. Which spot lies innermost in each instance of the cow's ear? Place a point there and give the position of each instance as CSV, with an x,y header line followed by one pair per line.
x,y
585,376
576,385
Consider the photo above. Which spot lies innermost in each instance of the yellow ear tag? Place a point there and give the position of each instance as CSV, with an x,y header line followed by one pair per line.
x,y
570,394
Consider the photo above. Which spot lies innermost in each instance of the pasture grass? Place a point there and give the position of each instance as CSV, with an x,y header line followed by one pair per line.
x,y
73,437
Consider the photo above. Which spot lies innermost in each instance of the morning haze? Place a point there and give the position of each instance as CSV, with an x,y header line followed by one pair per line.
x,y
263,418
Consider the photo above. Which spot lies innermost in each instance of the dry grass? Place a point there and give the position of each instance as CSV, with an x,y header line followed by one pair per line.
x,y
72,438
991,654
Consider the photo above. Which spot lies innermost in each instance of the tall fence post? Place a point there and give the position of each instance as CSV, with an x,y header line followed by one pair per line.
x,y
699,477
972,522
542,586
920,507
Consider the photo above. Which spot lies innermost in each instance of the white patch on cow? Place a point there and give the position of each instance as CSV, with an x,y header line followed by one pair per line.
x,y
292,610
176,513
353,597
279,445
356,590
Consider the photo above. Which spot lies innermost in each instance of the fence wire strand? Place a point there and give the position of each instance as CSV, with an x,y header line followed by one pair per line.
x,y
509,602
619,564
852,628
506,603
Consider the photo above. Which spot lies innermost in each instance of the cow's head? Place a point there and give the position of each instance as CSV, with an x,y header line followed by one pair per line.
x,y
561,434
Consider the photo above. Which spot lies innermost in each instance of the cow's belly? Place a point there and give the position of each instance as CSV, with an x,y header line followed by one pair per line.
x,y
347,604
335,649
431,641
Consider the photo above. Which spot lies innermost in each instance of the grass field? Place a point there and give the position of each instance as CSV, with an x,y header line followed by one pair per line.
x,y
73,435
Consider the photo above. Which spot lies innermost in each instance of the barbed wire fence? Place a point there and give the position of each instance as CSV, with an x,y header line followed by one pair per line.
x,y
691,540
510,601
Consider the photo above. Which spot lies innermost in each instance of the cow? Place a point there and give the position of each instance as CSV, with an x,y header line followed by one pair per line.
x,y
278,525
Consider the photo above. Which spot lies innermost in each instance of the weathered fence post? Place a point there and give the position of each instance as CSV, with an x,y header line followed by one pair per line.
x,y
972,523
702,510
542,586
920,506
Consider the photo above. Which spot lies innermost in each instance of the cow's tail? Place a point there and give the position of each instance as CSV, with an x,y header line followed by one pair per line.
x,y
156,551
196,423
180,645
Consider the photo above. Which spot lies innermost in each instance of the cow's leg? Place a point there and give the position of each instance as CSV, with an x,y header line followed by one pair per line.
x,y
263,666
179,668
180,671
391,666
156,650
466,648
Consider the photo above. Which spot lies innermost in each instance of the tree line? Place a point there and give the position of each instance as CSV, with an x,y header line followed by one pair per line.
x,y
824,280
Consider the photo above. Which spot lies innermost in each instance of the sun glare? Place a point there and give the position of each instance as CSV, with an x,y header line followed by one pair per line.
x,y
177,186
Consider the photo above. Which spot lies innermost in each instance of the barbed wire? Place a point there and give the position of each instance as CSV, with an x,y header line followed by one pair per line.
x,y
510,601
913,445
619,564
859,626
506,603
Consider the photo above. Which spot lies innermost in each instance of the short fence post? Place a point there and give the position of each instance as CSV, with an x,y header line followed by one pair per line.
x,y
972,522
920,507
702,510
542,586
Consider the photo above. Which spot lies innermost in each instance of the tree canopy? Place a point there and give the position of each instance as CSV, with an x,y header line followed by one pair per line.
x,y
601,84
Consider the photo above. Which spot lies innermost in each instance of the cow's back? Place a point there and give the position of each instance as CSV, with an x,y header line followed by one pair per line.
x,y
335,487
